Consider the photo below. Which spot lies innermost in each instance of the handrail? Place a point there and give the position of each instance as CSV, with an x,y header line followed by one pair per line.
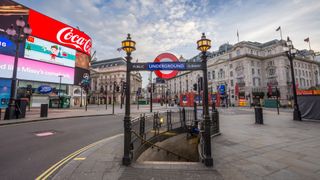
x,y
152,144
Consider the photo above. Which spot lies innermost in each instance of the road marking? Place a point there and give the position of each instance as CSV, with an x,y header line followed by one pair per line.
x,y
56,166
79,158
44,134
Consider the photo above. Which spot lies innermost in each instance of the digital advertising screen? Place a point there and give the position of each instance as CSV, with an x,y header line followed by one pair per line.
x,y
39,71
46,51
79,75
6,66
52,30
5,86
82,60
8,47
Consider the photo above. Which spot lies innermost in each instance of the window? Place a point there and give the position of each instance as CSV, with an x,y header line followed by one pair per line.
x,y
253,81
303,72
295,72
295,64
252,63
238,52
258,71
209,75
230,66
252,71
299,72
231,82
213,74
231,73
251,51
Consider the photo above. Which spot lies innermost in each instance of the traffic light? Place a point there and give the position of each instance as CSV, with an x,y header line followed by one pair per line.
x,y
200,82
124,85
195,86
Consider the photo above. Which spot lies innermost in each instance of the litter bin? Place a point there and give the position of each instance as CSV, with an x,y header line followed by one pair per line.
x,y
258,115
21,107
44,110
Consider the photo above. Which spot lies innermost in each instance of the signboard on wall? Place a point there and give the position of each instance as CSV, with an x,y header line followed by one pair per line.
x,y
5,86
52,30
38,71
46,51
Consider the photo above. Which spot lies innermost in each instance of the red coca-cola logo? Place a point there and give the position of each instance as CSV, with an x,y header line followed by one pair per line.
x,y
52,30
66,36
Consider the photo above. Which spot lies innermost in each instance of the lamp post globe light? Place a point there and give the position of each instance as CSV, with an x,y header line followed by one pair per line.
x,y
204,44
128,46
291,53
17,34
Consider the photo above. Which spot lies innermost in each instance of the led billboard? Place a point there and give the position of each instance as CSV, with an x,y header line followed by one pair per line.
x,y
52,30
8,47
39,71
82,60
45,51
6,66
5,86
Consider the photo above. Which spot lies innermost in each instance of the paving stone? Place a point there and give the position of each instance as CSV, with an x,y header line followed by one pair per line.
x,y
284,174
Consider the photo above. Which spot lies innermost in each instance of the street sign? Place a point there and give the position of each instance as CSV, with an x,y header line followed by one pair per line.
x,y
164,62
166,66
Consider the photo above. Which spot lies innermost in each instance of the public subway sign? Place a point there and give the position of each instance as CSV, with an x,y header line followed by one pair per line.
x,y
52,30
166,66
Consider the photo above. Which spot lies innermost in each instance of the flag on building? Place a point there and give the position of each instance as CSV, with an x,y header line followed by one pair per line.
x,y
278,29
307,39
238,35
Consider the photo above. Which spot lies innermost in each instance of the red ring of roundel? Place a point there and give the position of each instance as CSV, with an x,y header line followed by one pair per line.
x,y
169,56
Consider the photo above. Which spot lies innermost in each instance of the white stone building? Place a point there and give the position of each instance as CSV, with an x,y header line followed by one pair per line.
x,y
103,75
257,69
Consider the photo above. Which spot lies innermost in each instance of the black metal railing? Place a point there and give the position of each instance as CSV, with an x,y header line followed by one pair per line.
x,y
148,129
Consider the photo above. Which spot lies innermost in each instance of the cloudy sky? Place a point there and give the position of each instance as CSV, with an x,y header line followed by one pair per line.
x,y
175,25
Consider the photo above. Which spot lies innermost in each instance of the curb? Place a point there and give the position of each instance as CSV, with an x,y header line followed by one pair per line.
x,y
48,119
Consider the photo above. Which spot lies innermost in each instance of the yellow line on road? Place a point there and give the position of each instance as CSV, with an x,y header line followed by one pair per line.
x,y
56,166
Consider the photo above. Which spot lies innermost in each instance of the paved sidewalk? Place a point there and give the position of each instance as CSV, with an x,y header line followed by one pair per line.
x,y
280,149
93,110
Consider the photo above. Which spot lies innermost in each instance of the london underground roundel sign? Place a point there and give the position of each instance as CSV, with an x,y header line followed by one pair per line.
x,y
166,74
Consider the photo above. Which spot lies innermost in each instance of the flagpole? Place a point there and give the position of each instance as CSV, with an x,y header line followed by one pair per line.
x,y
309,45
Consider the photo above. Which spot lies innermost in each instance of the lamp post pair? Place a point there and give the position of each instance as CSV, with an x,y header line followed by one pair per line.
x,y
18,35
128,46
291,53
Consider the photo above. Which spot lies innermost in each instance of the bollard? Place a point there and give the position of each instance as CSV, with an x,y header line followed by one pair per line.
x,y
258,115
44,110
184,117
215,122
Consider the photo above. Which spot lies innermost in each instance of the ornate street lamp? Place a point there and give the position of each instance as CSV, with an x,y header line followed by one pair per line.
x,y
17,34
291,53
128,46
204,44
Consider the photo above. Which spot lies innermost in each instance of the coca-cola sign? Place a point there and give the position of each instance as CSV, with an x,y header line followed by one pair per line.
x,y
52,30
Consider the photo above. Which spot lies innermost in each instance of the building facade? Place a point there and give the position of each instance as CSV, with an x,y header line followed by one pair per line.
x,y
252,72
109,75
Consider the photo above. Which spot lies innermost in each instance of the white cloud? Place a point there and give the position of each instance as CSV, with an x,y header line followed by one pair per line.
x,y
176,25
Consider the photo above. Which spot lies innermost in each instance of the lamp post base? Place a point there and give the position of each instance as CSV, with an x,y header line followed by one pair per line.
x,y
126,161
297,115
208,161
10,112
